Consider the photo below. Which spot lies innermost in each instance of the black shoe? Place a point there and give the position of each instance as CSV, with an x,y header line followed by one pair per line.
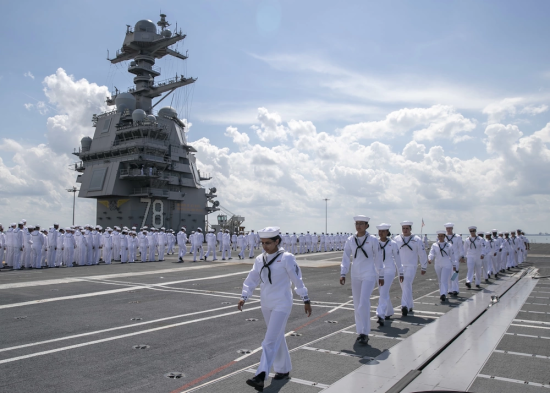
x,y
496,275
388,318
380,321
478,286
508,269
410,309
257,382
404,311
487,280
443,298
281,376
468,285
363,339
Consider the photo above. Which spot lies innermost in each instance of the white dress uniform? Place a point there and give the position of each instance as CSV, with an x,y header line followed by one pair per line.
x,y
458,250
52,246
274,273
389,254
412,251
366,270
474,249
69,247
442,254
241,245
491,247
293,241
143,244
123,247
107,246
501,253
219,238
151,243
198,240
132,247
162,243
182,240
37,243
226,249
518,245
10,245
211,244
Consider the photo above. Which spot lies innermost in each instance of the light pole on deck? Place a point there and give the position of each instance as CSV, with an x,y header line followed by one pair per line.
x,y
326,214
73,190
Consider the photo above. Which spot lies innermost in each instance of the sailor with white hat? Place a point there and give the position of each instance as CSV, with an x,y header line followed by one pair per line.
x,y
60,252
162,243
411,250
51,249
124,245
458,251
198,240
367,271
143,244
132,246
115,255
445,262
273,270
10,245
152,243
251,243
518,246
107,245
474,250
226,250
492,253
69,245
182,240
389,253
293,242
234,241
81,246
211,245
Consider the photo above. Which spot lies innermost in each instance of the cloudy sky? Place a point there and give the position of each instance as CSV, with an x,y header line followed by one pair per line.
x,y
395,109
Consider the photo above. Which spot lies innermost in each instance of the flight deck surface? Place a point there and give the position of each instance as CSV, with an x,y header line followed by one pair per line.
x,y
172,327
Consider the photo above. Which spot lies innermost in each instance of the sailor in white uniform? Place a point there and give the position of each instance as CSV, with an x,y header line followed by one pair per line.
x,y
241,244
182,240
274,270
293,241
445,262
366,272
198,240
389,253
474,250
226,251
492,253
211,245
251,244
219,238
411,250
458,250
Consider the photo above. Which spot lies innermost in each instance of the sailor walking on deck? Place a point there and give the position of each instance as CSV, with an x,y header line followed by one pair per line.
x,y
458,250
251,243
211,245
389,253
411,250
182,247
445,262
274,270
474,250
366,272
226,251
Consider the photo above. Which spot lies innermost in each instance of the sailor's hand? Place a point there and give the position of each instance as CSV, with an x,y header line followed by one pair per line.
x,y
240,305
307,308
462,260
381,282
454,268
342,280
430,262
482,256
423,272
401,278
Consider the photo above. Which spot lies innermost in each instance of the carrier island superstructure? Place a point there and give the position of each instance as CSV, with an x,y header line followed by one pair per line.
x,y
138,164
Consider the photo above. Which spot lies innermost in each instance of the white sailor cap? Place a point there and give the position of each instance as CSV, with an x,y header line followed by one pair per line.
x,y
183,229
361,217
403,223
513,231
494,230
96,227
21,223
68,229
501,233
145,227
23,220
162,229
506,233
125,227
269,232
449,225
383,226
13,224
440,232
481,233
109,229
472,228
134,228
55,223
211,230
30,227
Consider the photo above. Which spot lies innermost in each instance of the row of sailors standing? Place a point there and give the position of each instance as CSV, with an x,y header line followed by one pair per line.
x,y
306,243
29,247
376,261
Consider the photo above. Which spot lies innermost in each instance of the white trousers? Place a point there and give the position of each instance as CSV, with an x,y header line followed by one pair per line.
x,y
152,250
17,257
211,249
162,248
443,276
36,257
107,255
293,248
10,252
131,254
69,256
250,254
409,273
123,254
226,251
182,250
474,267
385,307
274,349
362,291
51,255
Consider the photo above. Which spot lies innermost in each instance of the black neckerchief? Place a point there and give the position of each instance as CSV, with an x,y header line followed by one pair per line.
x,y
451,239
473,242
513,241
384,248
442,250
361,246
267,264
406,243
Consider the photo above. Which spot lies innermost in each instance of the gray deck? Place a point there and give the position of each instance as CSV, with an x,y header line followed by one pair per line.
x,y
73,330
